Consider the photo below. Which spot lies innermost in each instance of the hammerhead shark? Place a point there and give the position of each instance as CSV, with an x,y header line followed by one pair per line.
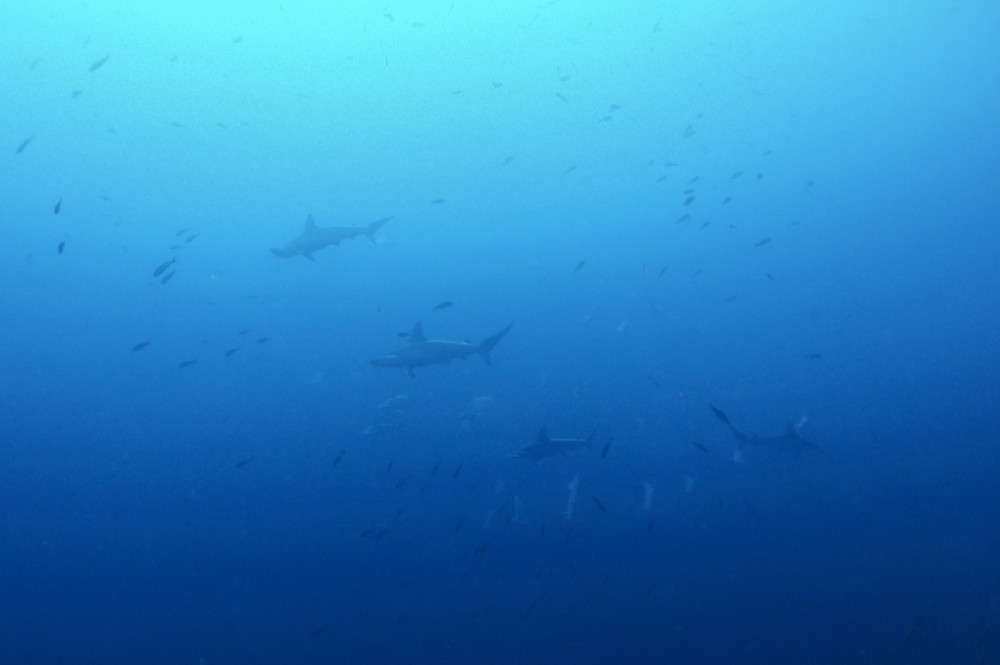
x,y
789,442
314,238
545,446
420,351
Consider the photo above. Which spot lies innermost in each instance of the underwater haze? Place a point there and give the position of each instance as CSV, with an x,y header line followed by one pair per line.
x,y
500,332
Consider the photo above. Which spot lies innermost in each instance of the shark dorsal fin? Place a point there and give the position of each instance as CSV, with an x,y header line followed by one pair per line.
x,y
543,435
310,223
417,334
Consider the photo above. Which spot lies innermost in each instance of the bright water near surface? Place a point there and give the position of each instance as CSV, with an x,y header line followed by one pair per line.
x,y
778,214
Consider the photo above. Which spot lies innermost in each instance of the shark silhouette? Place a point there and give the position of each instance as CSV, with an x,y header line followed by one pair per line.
x,y
545,446
789,442
314,238
421,351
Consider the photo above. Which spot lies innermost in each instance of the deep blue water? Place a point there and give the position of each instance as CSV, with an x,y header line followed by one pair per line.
x,y
783,210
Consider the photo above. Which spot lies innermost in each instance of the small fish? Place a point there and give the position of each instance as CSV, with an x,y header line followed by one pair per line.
x,y
61,247
244,462
579,265
444,305
182,231
606,448
162,268
402,334
497,84
562,97
770,276
662,270
508,159
191,238
701,446
319,630
731,299
606,118
99,63
140,346
569,170
57,208
402,482
245,331
814,356
564,78
264,340
719,414
231,352
736,175
186,363
684,218
169,276
436,202
762,242
726,200
24,144
689,200
600,505
339,457
694,180
615,107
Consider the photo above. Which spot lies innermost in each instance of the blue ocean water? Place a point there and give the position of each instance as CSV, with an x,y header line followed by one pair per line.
x,y
749,250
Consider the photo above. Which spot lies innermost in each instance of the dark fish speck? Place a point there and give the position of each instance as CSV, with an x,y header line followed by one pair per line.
x,y
24,144
99,63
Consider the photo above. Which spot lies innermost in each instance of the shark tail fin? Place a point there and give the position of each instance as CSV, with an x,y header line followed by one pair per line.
x,y
373,228
489,343
740,436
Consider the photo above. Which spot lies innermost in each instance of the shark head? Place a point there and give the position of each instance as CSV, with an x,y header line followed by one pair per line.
x,y
390,360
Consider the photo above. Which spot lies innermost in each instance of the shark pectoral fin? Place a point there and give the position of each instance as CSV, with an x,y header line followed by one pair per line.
x,y
417,334
279,252
373,228
309,256
310,222
543,435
